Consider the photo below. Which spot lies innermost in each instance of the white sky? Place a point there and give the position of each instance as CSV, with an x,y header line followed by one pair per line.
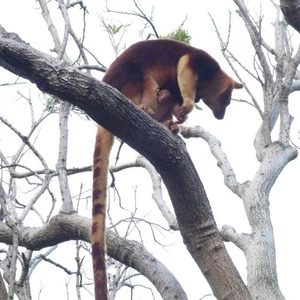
x,y
236,132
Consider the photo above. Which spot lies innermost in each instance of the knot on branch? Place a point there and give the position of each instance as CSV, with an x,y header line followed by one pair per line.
x,y
10,35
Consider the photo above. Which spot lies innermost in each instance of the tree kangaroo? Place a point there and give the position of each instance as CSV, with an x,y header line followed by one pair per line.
x,y
165,78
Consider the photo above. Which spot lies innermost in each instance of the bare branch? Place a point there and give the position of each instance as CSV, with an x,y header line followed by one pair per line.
x,y
229,56
255,38
74,227
57,265
65,15
223,163
230,235
51,26
91,67
26,142
139,13
62,158
13,254
26,257
34,199
37,259
156,185
13,83
18,175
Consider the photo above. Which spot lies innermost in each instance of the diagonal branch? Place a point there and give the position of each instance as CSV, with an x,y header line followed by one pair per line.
x,y
156,185
64,228
117,114
217,151
255,38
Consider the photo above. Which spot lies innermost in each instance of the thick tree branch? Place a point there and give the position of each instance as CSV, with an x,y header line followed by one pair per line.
x,y
117,114
64,228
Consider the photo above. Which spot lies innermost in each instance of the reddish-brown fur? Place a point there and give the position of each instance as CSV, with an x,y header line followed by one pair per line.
x,y
164,78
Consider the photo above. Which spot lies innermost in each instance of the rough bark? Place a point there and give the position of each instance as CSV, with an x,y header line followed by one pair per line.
x,y
65,227
113,111
273,155
259,246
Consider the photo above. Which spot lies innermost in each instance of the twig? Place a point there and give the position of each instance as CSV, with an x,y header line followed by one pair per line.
x,y
57,265
139,14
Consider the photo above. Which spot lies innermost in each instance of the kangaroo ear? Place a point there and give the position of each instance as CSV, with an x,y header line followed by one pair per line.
x,y
237,85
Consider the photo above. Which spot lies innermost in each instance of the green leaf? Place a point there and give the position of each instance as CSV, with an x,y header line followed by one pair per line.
x,y
198,107
113,29
179,35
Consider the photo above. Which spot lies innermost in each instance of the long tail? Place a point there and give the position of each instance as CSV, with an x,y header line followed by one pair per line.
x,y
103,145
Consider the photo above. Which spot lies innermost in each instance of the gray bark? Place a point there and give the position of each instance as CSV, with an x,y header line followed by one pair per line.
x,y
113,111
65,227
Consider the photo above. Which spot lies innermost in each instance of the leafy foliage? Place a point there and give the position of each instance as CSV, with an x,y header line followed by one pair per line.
x,y
179,34
114,29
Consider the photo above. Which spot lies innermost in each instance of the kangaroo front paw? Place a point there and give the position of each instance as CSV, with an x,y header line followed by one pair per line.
x,y
173,127
184,110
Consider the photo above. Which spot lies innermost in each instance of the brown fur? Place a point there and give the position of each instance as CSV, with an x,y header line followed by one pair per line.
x,y
164,78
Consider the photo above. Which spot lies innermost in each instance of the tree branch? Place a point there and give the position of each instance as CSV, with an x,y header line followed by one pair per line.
x,y
64,228
217,151
156,185
61,165
117,114
255,38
